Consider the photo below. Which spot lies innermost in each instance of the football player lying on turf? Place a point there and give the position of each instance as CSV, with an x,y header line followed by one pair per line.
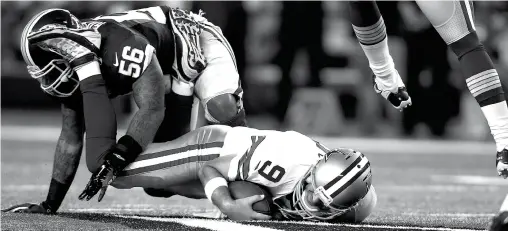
x,y
453,20
305,179
124,53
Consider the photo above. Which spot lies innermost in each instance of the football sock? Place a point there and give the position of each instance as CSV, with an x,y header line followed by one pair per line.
x,y
370,30
483,82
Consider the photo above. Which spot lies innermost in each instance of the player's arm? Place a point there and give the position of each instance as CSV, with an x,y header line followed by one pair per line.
x,y
148,93
67,155
213,176
66,160
139,64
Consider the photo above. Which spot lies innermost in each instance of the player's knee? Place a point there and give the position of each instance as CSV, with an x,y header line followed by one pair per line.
x,y
450,18
466,44
225,109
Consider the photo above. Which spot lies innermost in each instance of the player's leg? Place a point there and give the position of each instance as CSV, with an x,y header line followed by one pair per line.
x,y
219,87
173,163
453,20
370,31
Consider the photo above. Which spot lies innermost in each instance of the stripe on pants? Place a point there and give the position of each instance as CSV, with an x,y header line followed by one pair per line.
x,y
173,157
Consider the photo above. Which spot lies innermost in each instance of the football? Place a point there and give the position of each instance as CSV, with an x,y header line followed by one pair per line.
x,y
243,189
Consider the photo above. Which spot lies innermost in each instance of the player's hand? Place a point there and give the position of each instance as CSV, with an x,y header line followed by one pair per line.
x,y
502,163
41,208
100,180
241,209
77,46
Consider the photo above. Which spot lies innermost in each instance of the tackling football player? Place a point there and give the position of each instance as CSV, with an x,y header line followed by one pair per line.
x,y
453,20
306,180
119,52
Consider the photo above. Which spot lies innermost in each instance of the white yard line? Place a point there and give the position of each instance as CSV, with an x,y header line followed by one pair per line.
x,y
383,227
226,225
471,180
366,145
218,225
459,215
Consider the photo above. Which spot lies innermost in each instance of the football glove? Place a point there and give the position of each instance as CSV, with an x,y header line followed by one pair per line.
x,y
115,160
502,163
101,179
77,46
42,208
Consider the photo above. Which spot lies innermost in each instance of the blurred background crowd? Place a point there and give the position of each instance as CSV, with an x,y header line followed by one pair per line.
x,y
302,68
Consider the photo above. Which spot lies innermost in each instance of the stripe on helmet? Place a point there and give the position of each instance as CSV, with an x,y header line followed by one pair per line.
x,y
27,30
356,169
343,173
349,182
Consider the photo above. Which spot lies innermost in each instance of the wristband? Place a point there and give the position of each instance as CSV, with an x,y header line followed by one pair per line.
x,y
127,148
56,195
213,184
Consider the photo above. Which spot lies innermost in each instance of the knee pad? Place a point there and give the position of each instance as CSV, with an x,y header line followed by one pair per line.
x,y
459,25
466,44
225,109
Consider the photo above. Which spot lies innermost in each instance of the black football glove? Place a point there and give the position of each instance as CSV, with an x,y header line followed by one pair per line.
x,y
42,208
101,179
115,160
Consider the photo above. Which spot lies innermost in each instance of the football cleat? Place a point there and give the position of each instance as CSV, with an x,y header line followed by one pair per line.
x,y
499,222
399,99
502,163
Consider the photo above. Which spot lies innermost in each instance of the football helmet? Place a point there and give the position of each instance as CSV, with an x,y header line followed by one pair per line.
x,y
331,187
54,74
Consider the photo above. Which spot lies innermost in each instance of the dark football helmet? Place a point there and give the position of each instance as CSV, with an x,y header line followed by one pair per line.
x,y
54,74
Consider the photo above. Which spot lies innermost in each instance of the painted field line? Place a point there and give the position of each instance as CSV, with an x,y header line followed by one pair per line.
x,y
38,187
219,225
25,187
38,133
463,215
438,188
471,180
112,210
380,227
367,145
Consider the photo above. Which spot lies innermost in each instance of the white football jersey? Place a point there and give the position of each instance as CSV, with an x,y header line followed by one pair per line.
x,y
276,160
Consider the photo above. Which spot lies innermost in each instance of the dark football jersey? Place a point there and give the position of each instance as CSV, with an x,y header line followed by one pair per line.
x,y
129,40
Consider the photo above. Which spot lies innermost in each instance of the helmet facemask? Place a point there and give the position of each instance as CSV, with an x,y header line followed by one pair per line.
x,y
56,78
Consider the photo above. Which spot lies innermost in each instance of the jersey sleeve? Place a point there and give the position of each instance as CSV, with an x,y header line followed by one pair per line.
x,y
128,58
125,57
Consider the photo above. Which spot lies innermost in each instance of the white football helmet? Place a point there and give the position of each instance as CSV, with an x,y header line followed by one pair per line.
x,y
54,74
331,187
